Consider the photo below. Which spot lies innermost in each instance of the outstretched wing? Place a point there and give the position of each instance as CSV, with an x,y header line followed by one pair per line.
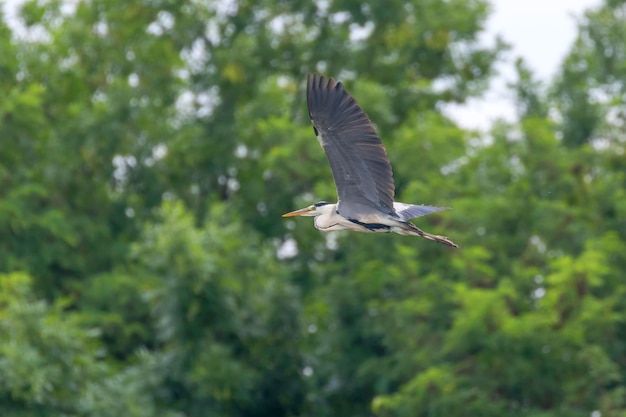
x,y
357,158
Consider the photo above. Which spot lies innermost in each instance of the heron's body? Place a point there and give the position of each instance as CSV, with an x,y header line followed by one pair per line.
x,y
330,220
360,167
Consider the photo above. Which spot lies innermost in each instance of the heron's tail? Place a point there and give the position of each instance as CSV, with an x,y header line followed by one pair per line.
x,y
411,211
413,230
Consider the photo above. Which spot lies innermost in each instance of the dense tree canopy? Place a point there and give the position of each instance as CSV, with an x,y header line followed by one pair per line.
x,y
148,148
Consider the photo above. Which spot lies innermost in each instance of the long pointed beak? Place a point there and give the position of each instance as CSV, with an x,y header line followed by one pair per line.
x,y
297,212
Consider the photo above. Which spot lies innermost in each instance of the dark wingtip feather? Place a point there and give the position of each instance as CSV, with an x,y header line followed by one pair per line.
x,y
318,92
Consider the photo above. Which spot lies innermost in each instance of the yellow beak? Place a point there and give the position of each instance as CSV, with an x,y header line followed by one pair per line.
x,y
297,212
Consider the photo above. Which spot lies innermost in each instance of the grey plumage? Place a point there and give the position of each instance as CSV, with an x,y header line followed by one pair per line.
x,y
360,166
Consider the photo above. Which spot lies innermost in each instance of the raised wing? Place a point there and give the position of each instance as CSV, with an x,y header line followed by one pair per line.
x,y
357,158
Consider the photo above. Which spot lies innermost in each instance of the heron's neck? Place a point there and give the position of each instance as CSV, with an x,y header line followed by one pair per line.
x,y
327,216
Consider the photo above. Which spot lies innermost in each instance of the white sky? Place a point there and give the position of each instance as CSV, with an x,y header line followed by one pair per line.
x,y
541,31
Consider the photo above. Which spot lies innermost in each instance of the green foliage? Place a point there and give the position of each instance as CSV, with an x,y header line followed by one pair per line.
x,y
148,148
590,91
52,366
226,318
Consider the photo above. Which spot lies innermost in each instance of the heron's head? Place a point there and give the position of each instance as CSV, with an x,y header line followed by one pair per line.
x,y
312,210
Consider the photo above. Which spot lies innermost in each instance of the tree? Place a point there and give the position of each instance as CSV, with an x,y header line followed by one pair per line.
x,y
91,105
148,149
589,92
226,318
531,313
50,365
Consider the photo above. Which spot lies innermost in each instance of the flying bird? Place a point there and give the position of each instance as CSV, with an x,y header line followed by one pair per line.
x,y
360,167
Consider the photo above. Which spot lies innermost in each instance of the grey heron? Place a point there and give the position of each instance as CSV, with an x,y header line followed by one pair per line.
x,y
360,167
